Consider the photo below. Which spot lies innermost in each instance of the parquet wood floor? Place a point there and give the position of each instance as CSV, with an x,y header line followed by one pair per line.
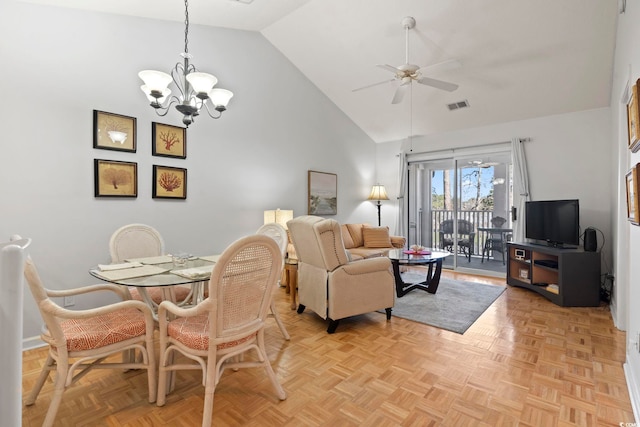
x,y
525,362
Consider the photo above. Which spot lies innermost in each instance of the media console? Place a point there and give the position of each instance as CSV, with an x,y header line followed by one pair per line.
x,y
566,277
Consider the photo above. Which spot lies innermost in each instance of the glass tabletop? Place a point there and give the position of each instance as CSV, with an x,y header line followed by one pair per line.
x,y
403,257
167,277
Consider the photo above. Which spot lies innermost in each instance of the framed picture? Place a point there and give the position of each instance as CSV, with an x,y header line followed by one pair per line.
x,y
633,212
323,193
524,273
114,131
168,141
169,182
633,119
115,179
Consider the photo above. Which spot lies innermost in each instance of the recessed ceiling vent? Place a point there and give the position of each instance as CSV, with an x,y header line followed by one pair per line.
x,y
458,105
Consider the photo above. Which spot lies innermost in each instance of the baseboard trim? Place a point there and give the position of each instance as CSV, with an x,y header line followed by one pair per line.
x,y
31,343
632,386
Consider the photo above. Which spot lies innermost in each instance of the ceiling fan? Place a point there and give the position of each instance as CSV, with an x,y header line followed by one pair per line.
x,y
408,73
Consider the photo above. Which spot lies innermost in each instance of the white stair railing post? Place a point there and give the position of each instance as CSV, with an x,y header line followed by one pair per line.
x,y
12,258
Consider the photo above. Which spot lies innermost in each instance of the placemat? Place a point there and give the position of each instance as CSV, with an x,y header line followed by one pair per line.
x,y
130,273
212,258
152,260
203,272
120,266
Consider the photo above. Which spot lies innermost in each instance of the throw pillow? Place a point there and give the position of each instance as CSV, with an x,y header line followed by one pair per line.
x,y
355,230
376,237
346,237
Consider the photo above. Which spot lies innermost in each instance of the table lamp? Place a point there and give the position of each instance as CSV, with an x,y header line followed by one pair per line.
x,y
378,193
281,217
278,216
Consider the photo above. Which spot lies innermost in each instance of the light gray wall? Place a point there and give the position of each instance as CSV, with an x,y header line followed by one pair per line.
x,y
627,236
568,157
61,64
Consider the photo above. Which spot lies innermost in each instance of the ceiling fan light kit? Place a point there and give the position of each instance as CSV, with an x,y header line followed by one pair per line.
x,y
409,73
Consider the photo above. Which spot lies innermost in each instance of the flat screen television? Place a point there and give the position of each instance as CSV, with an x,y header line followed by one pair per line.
x,y
556,222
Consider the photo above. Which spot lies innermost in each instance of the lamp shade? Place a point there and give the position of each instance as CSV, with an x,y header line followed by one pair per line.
x,y
155,80
278,216
166,92
201,82
378,193
220,97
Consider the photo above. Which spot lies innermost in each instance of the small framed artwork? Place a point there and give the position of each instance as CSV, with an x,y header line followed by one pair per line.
x,y
524,273
633,119
169,182
115,179
114,131
323,193
168,141
633,211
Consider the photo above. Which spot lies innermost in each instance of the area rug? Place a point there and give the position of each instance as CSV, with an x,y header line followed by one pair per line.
x,y
454,307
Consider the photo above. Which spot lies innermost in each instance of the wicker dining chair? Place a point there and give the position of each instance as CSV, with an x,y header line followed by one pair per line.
x,y
80,340
139,241
227,326
279,234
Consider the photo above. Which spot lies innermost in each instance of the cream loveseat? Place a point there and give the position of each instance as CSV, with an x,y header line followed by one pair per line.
x,y
328,282
365,241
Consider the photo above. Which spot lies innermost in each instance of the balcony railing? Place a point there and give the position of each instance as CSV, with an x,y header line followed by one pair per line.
x,y
477,218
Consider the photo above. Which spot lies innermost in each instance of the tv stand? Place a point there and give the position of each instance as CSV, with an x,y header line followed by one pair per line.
x,y
569,277
560,245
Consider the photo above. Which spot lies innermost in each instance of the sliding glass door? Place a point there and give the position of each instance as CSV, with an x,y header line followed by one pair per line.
x,y
461,205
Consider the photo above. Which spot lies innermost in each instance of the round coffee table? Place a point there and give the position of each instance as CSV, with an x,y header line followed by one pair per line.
x,y
430,257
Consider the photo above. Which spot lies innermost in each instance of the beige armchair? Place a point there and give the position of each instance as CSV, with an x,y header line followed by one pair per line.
x,y
328,282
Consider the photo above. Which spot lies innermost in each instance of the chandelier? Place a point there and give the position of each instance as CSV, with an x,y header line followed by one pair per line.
x,y
196,88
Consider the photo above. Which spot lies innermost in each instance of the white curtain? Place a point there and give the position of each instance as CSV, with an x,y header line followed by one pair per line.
x,y
401,220
520,187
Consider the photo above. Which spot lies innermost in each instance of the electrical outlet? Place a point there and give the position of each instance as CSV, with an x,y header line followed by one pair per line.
x,y
69,301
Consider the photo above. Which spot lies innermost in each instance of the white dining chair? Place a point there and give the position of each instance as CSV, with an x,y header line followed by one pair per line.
x,y
279,234
139,241
81,340
217,333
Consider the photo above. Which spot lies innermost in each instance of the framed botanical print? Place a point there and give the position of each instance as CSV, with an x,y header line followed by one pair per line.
x,y
114,131
115,179
168,141
323,193
169,182
633,210
633,119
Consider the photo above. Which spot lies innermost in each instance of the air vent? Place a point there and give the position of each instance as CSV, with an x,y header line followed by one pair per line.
x,y
458,105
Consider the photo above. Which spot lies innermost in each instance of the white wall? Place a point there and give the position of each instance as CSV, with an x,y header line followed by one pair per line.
x,y
568,157
61,64
627,245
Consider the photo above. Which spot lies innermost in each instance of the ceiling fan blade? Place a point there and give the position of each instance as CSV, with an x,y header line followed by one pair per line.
x,y
372,85
397,97
389,68
439,84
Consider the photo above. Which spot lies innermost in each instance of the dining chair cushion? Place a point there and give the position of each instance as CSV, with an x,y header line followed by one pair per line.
x,y
376,237
101,331
193,332
155,293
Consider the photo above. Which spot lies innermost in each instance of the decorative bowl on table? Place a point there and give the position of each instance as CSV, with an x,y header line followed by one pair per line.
x,y
417,250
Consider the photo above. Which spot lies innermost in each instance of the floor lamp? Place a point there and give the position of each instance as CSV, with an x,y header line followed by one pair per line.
x,y
378,193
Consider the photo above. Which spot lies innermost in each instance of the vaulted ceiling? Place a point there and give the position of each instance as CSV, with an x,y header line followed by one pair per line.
x,y
512,59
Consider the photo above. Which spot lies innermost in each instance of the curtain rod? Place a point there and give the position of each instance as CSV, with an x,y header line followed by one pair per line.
x,y
454,150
